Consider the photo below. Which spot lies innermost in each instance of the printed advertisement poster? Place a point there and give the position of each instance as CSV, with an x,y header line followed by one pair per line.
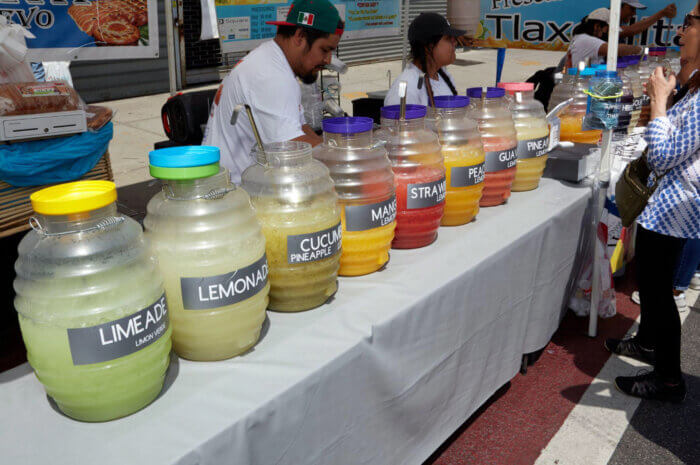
x,y
68,30
242,22
548,24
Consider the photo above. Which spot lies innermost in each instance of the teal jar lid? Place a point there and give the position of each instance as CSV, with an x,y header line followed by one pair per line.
x,y
185,162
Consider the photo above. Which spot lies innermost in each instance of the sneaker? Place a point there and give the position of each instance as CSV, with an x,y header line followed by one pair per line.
x,y
635,297
681,303
631,348
695,282
650,386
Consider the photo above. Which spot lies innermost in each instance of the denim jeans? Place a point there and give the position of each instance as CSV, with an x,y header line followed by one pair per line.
x,y
688,264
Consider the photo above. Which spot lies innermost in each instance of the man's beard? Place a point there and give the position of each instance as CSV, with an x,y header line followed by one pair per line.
x,y
309,78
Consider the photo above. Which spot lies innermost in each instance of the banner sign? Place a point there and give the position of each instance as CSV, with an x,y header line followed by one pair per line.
x,y
68,30
242,22
548,24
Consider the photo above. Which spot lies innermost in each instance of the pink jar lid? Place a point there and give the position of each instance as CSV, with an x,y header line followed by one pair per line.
x,y
513,87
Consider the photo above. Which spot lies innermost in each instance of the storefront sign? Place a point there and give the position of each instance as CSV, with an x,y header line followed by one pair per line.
x,y
242,22
548,24
68,30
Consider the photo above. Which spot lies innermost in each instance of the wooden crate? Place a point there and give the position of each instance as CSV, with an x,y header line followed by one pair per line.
x,y
16,209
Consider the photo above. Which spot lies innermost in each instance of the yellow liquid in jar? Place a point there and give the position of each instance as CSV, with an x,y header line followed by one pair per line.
x,y
571,130
529,172
367,251
461,203
298,286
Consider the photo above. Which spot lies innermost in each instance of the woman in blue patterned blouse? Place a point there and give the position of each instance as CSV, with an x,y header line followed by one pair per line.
x,y
671,217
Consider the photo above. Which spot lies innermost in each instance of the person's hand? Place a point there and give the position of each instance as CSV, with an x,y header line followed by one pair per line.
x,y
670,11
659,87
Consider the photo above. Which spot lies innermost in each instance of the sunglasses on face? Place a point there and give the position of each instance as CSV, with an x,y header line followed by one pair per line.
x,y
688,21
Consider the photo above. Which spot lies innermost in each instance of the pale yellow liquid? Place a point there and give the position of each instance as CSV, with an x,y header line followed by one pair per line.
x,y
529,172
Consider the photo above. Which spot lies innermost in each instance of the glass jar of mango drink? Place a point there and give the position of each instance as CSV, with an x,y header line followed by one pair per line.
x,y
571,116
533,134
91,303
364,183
464,158
211,253
419,175
294,199
495,123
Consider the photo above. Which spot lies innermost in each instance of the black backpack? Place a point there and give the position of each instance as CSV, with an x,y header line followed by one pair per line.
x,y
544,84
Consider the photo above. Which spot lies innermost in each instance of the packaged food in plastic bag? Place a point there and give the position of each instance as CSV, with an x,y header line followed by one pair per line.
x,y
29,98
13,51
97,116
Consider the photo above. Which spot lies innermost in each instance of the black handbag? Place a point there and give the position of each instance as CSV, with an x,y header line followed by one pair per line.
x,y
631,191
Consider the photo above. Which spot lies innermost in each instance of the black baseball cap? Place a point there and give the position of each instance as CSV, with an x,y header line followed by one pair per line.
x,y
428,25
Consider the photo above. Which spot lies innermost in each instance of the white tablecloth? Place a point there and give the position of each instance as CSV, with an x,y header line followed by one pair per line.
x,y
382,374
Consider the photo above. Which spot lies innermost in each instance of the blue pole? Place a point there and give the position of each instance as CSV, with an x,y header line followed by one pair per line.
x,y
500,60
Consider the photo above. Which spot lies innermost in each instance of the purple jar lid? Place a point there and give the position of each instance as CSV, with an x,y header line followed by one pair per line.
x,y
348,125
491,92
451,101
412,111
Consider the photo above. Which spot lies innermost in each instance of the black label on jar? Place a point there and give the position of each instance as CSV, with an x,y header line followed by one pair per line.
x,y
637,103
501,160
465,176
224,289
533,148
424,195
375,215
646,100
305,248
118,338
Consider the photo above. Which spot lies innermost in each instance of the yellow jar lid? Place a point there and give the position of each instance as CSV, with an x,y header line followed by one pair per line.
x,y
74,197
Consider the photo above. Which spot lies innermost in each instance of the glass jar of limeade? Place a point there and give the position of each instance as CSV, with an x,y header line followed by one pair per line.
x,y
572,116
563,90
211,253
495,123
91,303
364,183
419,175
294,199
644,70
533,134
464,157
631,78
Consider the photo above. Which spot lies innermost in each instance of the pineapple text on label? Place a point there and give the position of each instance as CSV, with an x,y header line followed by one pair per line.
x,y
533,147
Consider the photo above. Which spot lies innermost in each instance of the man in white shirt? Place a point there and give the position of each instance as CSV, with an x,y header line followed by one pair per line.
x,y
266,79
629,10
590,40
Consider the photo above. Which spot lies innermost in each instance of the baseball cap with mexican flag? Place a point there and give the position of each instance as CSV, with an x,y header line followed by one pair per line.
x,y
315,14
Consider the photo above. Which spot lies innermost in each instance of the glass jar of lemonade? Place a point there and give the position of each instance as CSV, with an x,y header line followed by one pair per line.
x,y
294,199
211,253
631,77
419,175
571,117
533,134
364,183
644,70
91,303
495,123
464,158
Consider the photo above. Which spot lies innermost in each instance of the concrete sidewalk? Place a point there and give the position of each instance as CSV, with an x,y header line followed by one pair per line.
x,y
137,123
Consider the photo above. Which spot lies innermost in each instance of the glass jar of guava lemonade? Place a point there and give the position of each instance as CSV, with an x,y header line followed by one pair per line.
x,y
294,199
91,303
211,253
365,185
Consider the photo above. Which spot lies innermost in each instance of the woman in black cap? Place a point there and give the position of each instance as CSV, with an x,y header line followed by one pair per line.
x,y
433,43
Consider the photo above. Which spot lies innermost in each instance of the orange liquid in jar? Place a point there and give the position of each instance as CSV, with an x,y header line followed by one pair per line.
x,y
462,203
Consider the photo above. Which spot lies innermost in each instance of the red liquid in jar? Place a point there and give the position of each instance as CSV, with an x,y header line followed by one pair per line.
x,y
497,184
416,228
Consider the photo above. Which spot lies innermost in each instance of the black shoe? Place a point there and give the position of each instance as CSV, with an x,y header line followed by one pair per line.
x,y
650,386
631,348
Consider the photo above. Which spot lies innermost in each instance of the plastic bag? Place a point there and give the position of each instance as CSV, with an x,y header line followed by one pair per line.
x,y
49,161
58,71
97,116
29,98
580,302
13,51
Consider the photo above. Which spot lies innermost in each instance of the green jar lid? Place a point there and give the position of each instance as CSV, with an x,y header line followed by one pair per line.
x,y
185,173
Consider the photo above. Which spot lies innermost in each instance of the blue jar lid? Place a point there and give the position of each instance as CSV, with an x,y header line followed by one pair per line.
x,y
348,125
606,74
572,71
451,101
184,157
491,92
588,72
412,111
